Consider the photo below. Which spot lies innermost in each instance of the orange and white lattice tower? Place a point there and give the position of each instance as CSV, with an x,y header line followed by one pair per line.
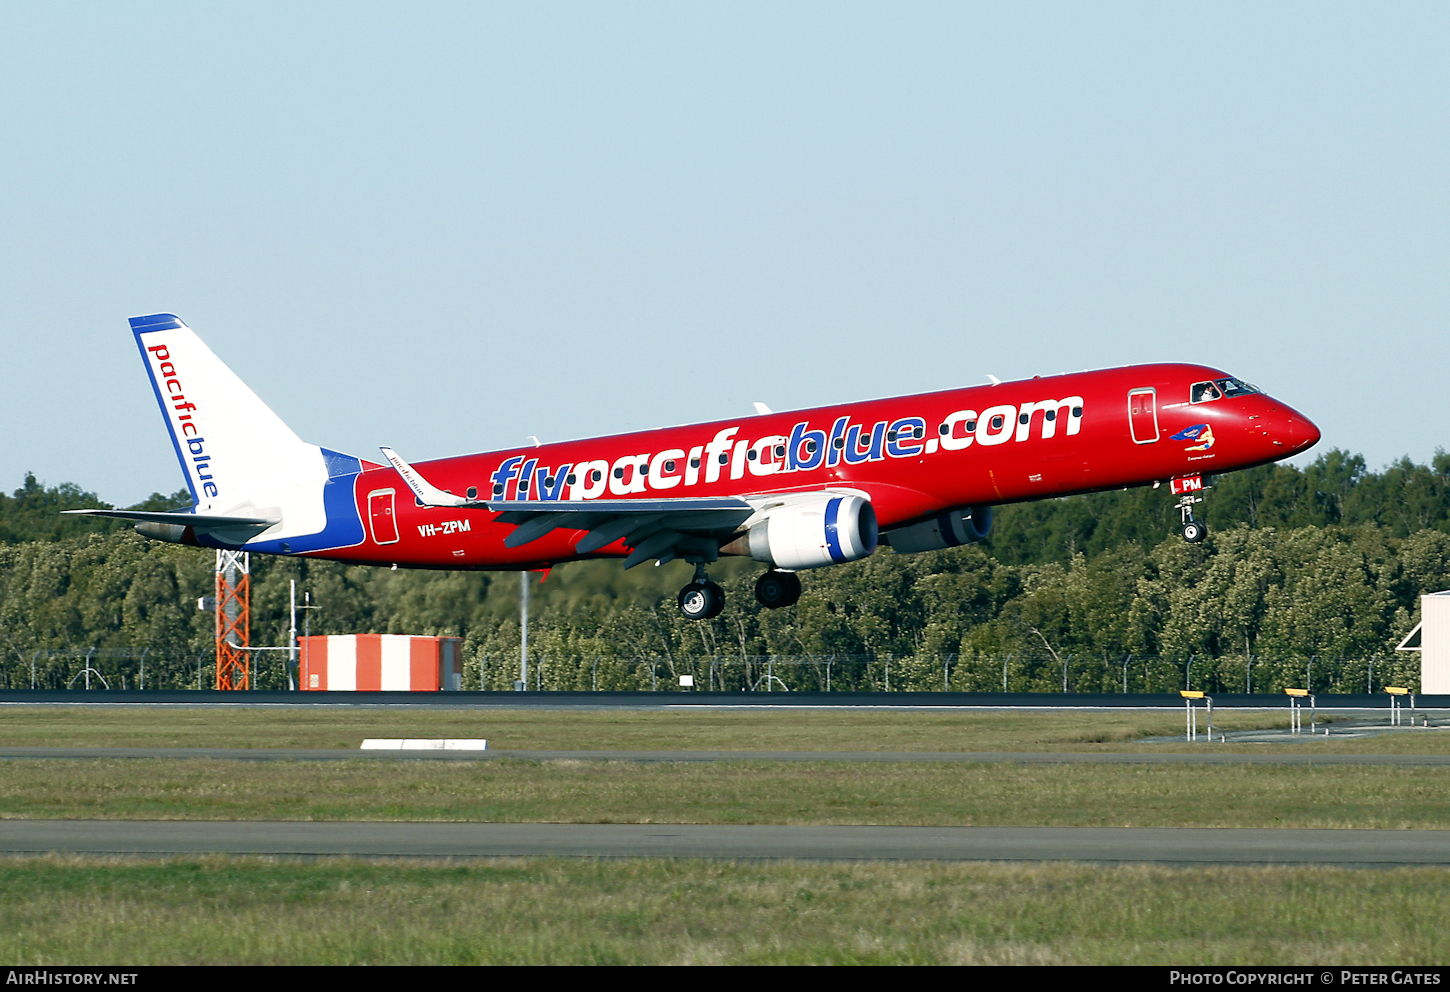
x,y
233,619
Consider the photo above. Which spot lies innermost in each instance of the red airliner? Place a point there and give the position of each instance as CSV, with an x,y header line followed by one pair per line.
x,y
794,490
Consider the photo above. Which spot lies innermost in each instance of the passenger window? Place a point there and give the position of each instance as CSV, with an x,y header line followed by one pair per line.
x,y
1202,392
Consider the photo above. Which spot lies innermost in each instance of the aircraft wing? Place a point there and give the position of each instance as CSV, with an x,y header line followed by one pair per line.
x,y
663,529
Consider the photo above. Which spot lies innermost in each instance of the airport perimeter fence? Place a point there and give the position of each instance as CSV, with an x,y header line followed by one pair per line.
x,y
93,668
1007,672
80,668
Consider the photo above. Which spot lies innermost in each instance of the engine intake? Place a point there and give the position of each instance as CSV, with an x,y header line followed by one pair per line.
x,y
947,530
812,533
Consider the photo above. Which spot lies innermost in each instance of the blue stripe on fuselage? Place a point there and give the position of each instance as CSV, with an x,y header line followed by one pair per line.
x,y
344,527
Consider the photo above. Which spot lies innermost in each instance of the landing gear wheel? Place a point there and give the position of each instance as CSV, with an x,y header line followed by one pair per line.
x,y
717,600
701,600
1193,530
774,590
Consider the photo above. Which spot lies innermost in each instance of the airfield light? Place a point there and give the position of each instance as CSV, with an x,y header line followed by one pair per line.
x,y
1190,721
1296,710
1396,691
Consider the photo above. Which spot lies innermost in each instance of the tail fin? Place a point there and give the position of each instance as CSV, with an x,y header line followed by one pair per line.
x,y
237,455
229,441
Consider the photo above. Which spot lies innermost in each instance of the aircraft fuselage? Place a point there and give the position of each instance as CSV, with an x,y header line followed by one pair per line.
x,y
912,457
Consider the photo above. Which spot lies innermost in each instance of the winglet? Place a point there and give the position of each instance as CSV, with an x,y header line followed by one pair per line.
x,y
427,494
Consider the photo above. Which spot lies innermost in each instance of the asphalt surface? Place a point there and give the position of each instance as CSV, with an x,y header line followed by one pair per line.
x,y
1208,756
1179,846
691,699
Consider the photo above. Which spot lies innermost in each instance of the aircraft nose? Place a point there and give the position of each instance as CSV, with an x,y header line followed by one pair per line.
x,y
1299,430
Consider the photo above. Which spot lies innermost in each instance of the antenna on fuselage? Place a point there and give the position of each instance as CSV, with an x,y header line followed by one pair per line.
x,y
993,379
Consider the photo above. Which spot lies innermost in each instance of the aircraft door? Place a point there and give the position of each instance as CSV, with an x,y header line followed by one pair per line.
x,y
1143,415
380,511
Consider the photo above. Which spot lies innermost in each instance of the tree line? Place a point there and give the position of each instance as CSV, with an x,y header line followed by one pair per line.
x,y
1308,578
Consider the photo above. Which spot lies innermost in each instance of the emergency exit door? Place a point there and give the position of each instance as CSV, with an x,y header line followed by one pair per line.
x,y
380,510
1143,415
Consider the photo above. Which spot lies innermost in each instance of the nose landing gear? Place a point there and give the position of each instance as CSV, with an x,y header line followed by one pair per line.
x,y
701,599
1193,530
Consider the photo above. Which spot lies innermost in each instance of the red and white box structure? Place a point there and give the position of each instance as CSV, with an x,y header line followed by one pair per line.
x,y
380,663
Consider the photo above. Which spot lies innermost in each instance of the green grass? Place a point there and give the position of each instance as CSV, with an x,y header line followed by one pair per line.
x,y
682,729
731,792
63,910
545,911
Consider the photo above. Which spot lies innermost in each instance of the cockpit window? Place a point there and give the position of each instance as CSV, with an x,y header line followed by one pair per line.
x,y
1202,392
1236,387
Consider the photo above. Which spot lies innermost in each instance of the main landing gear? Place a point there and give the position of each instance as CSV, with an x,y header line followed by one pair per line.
x,y
1193,530
775,589
701,599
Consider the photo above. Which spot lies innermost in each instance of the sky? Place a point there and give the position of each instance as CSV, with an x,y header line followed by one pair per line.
x,y
446,227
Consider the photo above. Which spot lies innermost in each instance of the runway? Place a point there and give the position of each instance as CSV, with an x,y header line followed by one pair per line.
x,y
690,700
1210,755
1175,846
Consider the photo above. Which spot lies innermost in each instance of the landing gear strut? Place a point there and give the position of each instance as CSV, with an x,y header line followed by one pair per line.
x,y
775,589
701,599
1193,530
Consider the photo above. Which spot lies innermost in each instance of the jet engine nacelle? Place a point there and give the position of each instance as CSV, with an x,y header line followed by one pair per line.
x,y
811,533
947,530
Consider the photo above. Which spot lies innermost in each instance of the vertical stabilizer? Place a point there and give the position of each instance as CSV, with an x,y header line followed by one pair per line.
x,y
238,457
230,444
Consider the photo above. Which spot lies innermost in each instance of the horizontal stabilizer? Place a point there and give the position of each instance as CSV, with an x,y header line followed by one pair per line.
x,y
202,520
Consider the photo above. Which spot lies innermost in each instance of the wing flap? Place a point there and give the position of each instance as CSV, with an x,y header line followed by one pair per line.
x,y
616,506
